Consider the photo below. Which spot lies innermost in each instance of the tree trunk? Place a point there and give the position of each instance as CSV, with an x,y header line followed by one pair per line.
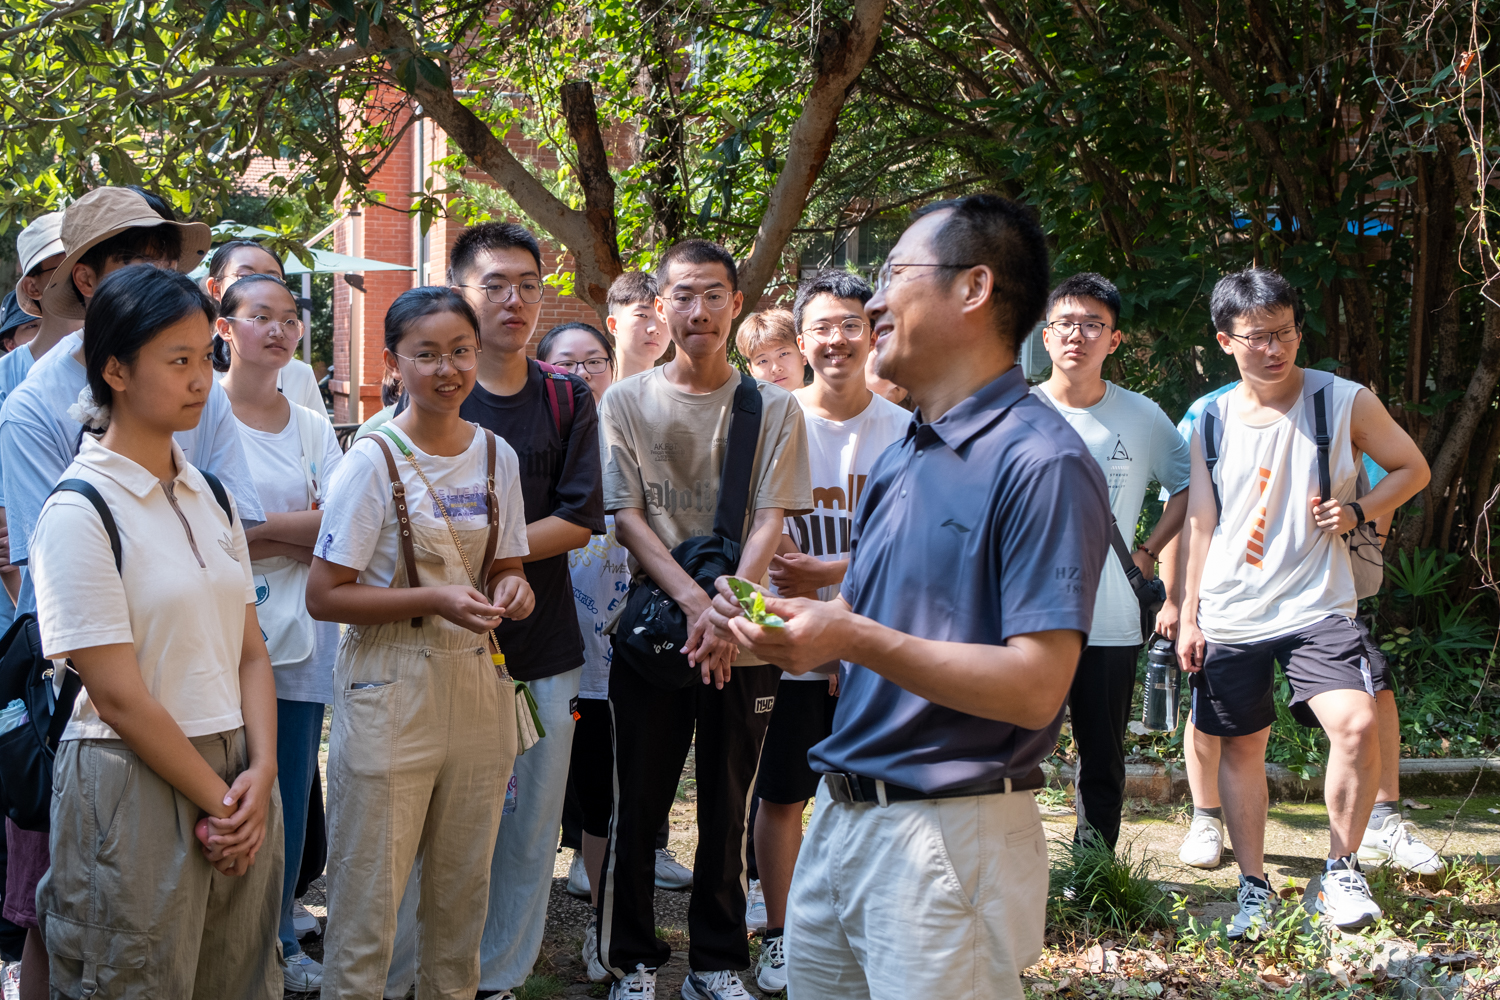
x,y
598,194
842,55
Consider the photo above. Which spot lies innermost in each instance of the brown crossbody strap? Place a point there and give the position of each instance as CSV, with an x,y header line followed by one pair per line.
x,y
493,503
403,522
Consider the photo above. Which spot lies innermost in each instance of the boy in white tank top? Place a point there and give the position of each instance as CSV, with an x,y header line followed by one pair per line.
x,y
1269,580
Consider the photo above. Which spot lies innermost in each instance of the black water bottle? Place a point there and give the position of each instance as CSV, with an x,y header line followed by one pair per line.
x,y
1163,686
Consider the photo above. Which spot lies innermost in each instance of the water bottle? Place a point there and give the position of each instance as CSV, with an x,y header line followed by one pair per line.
x,y
1163,686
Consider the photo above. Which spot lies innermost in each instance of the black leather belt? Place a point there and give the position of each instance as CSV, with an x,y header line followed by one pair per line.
x,y
844,787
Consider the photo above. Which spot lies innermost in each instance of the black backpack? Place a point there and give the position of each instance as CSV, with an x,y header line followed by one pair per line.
x,y
27,751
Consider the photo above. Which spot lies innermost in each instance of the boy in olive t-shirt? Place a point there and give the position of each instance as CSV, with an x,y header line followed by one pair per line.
x,y
664,434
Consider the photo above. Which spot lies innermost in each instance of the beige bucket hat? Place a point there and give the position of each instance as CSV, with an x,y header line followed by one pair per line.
x,y
37,242
94,218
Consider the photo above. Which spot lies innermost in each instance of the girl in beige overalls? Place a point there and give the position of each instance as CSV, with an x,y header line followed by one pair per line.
x,y
424,718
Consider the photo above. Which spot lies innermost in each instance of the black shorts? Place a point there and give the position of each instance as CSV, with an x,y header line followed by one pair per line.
x,y
1233,694
593,771
802,716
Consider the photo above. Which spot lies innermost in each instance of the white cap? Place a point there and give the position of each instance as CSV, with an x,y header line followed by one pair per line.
x,y
37,242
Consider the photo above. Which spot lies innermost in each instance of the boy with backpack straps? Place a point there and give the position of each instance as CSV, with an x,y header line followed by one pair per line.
x,y
1270,578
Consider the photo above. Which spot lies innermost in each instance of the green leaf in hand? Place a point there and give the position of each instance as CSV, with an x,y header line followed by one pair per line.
x,y
754,603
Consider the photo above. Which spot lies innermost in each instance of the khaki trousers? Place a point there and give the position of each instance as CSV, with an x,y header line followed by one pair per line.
x,y
936,898
130,907
423,740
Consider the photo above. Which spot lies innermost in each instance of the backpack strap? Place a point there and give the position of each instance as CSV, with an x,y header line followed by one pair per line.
x,y
1315,385
1212,435
492,502
556,383
403,520
217,488
739,461
86,489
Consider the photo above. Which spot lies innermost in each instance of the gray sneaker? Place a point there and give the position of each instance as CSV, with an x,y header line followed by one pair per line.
x,y
714,986
1257,907
639,985
770,967
596,971
578,878
301,974
670,873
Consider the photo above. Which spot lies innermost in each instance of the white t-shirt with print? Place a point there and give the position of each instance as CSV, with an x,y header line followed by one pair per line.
x,y
840,455
275,461
601,580
359,514
178,598
1135,443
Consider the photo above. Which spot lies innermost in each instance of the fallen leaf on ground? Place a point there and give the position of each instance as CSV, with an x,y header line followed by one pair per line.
x,y
1492,809
1414,804
1272,979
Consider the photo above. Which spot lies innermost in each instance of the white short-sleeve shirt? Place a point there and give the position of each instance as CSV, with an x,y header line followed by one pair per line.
x,y
359,515
179,597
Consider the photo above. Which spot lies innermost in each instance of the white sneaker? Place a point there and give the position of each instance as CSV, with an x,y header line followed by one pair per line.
x,y
1396,840
1257,906
302,975
770,967
670,873
1204,844
755,907
578,877
304,924
639,985
1345,899
714,986
596,970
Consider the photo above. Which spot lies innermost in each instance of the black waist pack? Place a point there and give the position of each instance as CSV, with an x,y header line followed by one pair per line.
x,y
652,629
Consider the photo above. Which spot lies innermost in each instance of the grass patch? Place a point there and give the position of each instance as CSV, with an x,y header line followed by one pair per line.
x,y
541,987
1091,889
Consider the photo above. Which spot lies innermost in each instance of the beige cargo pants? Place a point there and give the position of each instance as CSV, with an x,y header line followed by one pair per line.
x,y
130,907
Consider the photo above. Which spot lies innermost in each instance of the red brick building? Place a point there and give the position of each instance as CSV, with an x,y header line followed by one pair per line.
x,y
386,232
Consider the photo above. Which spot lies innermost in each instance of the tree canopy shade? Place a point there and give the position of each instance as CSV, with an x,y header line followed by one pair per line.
x,y
1350,143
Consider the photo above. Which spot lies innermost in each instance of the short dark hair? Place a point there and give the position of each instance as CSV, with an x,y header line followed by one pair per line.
x,y
1003,234
490,236
698,252
224,253
1088,285
230,301
631,288
1252,290
418,303
833,281
544,349
128,310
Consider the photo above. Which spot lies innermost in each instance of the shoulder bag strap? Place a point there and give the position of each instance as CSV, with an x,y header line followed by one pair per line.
x,y
403,520
1133,574
62,706
1320,434
492,541
217,488
1210,435
739,461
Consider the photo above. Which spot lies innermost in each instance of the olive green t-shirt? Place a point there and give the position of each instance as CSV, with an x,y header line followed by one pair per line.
x,y
664,450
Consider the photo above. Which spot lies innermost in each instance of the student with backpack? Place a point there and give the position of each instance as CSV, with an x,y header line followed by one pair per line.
x,y
420,552
1276,518
291,451
166,857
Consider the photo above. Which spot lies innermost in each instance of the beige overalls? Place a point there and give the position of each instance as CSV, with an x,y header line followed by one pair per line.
x,y
423,741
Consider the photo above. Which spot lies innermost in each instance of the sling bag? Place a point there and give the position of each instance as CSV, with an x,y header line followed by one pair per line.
x,y
1366,558
652,629
27,751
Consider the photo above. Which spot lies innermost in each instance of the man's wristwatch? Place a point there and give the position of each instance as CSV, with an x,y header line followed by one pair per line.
x,y
1359,512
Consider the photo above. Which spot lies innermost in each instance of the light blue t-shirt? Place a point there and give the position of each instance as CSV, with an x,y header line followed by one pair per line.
x,y
13,368
38,440
1190,420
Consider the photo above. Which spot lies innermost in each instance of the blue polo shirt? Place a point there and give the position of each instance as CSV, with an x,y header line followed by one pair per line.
x,y
990,522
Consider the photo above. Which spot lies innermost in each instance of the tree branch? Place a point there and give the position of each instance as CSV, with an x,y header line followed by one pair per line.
x,y
840,60
598,193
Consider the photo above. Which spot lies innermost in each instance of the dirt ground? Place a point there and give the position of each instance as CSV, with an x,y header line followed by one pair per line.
x,y
1296,843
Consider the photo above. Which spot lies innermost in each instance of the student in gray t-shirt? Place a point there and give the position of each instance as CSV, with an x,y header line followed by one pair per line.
x,y
970,590
1135,444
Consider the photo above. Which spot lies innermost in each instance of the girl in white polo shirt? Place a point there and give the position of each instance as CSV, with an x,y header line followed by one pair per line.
x,y
167,768
291,452
420,553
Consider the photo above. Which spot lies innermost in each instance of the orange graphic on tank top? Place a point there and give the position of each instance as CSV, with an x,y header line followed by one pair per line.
x,y
1255,549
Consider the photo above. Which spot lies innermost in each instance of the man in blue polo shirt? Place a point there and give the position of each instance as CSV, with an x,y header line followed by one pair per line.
x,y
979,544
